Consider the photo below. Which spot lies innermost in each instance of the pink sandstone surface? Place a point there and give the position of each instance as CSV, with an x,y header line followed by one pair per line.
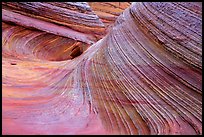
x,y
101,68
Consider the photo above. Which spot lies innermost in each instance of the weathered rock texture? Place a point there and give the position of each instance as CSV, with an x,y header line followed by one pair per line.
x,y
57,18
108,11
60,27
143,77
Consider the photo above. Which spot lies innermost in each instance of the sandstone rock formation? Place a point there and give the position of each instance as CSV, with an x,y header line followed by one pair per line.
x,y
59,27
143,77
108,11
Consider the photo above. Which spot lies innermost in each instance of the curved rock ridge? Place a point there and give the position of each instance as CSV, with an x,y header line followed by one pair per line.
x,y
27,44
143,77
63,30
73,20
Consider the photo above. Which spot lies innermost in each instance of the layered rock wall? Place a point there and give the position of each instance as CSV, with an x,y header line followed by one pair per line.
x,y
143,77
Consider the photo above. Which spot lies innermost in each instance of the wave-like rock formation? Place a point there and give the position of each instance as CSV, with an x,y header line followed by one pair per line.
x,y
23,43
63,30
143,77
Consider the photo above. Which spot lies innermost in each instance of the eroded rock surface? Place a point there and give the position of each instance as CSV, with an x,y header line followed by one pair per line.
x,y
108,11
143,77
50,29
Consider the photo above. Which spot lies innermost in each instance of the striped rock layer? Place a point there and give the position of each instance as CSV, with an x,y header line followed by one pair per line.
x,y
108,11
50,30
143,77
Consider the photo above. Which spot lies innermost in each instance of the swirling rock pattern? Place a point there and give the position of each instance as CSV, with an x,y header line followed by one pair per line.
x,y
57,18
143,77
63,30
34,44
